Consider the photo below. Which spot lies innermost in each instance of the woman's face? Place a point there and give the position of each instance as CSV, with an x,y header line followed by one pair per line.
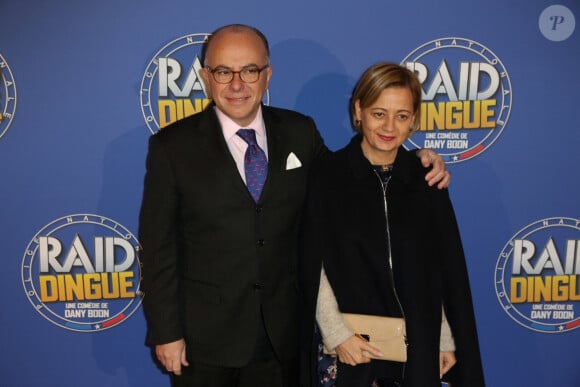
x,y
386,124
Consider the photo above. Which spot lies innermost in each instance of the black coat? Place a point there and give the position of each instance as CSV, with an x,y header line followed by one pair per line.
x,y
345,227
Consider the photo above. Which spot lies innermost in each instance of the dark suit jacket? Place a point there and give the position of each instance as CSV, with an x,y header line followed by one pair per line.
x,y
210,254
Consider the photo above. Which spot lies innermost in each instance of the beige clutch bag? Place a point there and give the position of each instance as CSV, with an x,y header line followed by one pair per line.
x,y
384,333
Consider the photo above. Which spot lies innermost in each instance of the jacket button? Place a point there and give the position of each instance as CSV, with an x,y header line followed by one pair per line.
x,y
258,286
258,209
261,242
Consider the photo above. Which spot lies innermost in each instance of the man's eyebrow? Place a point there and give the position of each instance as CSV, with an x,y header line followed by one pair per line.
x,y
228,67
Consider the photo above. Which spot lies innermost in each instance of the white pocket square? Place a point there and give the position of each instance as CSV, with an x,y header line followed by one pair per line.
x,y
292,162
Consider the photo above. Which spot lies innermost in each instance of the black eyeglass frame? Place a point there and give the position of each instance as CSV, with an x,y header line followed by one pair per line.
x,y
240,72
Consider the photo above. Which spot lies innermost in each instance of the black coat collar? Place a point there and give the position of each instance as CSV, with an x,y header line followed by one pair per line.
x,y
361,166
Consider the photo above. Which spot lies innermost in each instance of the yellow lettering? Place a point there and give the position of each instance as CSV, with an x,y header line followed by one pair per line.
x,y
73,287
455,115
487,113
167,112
173,110
541,288
432,115
92,286
574,291
471,121
89,286
536,289
560,288
111,290
125,283
48,288
518,290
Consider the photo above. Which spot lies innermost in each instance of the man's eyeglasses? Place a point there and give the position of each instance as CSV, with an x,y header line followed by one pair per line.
x,y
248,74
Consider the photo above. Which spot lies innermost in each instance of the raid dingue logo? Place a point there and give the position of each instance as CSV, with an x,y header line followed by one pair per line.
x,y
82,273
536,275
466,98
172,88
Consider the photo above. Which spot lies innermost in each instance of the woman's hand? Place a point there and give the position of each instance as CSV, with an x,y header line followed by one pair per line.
x,y
446,361
355,351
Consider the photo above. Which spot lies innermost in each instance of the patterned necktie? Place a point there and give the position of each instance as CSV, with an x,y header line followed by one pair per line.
x,y
255,163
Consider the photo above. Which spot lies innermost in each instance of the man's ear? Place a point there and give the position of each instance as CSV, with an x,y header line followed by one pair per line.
x,y
205,74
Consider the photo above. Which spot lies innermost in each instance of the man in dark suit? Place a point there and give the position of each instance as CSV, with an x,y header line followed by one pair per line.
x,y
219,265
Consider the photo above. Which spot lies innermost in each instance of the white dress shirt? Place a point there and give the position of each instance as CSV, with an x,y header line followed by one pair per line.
x,y
236,144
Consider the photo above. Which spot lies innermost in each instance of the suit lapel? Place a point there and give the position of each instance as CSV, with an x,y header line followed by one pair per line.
x,y
218,153
276,150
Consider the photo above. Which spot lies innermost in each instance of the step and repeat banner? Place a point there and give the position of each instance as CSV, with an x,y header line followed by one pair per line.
x,y
84,84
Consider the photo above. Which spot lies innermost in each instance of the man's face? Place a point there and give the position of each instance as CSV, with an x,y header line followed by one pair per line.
x,y
237,50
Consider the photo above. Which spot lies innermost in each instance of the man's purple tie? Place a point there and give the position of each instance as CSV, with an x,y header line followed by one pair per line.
x,y
255,163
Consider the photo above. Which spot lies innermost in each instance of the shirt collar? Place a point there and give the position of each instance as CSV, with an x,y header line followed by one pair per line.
x,y
229,127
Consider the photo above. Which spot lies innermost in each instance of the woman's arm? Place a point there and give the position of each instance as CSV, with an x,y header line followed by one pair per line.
x,y
332,327
446,347
335,334
446,342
